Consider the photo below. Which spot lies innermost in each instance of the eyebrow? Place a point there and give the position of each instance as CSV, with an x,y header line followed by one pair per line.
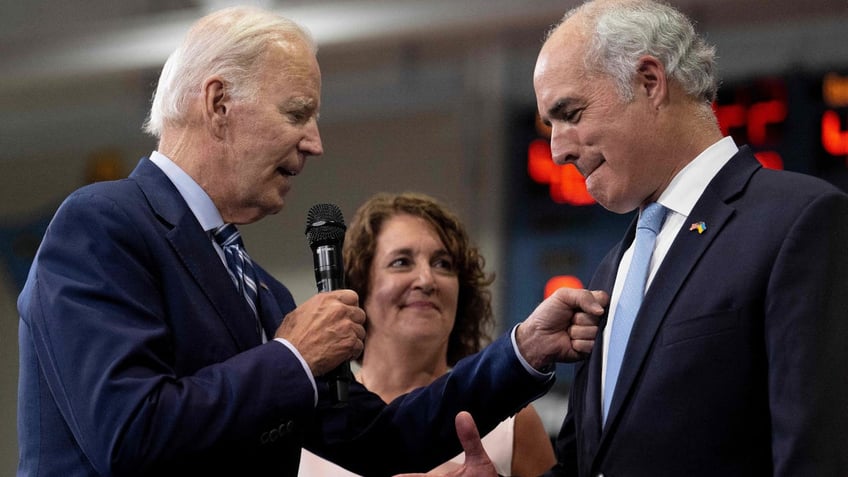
x,y
408,251
298,103
561,105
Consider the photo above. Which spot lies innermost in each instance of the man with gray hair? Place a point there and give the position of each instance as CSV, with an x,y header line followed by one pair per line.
x,y
723,349
151,344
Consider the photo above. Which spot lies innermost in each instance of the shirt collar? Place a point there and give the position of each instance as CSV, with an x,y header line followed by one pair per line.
x,y
689,184
198,200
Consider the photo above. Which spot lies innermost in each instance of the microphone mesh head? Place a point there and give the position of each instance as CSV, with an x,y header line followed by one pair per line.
x,y
324,223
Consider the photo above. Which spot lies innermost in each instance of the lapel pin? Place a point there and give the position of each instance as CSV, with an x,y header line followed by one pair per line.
x,y
701,227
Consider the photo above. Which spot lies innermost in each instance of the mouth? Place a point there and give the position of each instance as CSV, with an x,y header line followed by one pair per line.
x,y
421,305
287,172
588,171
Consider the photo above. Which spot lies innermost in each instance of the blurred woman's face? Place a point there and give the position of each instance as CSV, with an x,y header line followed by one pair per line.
x,y
414,284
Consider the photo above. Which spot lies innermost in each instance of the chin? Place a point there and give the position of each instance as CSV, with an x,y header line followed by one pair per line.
x,y
274,206
616,208
600,198
276,210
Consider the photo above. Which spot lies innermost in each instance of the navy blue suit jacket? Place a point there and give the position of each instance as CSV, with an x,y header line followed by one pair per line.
x,y
138,357
737,362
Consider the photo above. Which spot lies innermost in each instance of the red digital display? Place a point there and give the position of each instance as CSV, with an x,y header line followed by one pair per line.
x,y
567,185
834,138
834,134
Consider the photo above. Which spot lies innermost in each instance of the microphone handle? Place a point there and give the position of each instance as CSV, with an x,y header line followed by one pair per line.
x,y
329,277
340,379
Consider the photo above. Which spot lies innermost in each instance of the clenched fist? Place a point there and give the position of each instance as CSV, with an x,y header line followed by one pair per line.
x,y
327,329
562,328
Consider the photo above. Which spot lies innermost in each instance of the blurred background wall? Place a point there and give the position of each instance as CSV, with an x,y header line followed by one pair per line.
x,y
429,95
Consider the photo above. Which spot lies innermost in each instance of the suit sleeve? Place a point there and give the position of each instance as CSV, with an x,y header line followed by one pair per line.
x,y
806,327
95,313
416,431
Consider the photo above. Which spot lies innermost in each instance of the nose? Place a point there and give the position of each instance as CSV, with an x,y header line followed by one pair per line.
x,y
425,280
564,148
311,144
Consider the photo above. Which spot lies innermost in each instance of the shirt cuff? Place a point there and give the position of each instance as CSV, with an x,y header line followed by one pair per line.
x,y
540,375
306,366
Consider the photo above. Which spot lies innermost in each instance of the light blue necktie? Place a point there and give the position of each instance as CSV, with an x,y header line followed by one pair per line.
x,y
239,265
632,293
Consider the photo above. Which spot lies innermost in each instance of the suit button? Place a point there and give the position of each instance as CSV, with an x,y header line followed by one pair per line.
x,y
277,433
285,428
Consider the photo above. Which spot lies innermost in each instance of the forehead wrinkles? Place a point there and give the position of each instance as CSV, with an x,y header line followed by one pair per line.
x,y
289,70
291,59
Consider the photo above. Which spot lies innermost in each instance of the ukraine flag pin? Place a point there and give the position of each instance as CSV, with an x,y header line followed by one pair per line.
x,y
701,227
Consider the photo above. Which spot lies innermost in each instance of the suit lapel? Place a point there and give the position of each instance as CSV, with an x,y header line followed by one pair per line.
x,y
591,422
209,271
590,425
198,256
686,250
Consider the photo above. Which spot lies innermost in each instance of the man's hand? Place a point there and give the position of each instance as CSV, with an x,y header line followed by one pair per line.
x,y
327,329
477,462
562,328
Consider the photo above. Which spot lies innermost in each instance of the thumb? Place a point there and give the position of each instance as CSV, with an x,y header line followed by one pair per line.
x,y
469,437
477,462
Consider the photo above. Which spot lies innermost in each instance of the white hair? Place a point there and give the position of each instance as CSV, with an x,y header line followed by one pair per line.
x,y
621,32
227,43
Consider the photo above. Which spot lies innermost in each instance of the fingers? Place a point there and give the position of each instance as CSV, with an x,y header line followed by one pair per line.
x,y
602,297
592,302
584,325
583,347
326,329
348,297
582,332
583,320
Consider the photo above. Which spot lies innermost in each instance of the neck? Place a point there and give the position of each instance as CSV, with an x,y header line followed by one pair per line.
x,y
186,149
690,128
201,158
391,367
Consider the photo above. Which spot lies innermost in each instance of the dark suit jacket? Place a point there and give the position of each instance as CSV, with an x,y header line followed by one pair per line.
x,y
138,357
737,362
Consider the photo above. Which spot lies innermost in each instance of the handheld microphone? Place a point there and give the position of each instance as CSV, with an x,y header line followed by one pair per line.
x,y
325,230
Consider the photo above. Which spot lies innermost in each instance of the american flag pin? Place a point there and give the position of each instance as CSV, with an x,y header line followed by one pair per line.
x,y
701,227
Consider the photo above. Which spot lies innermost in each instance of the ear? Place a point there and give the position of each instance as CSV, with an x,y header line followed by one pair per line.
x,y
216,105
651,80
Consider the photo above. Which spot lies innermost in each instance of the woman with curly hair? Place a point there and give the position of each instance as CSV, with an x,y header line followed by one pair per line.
x,y
425,293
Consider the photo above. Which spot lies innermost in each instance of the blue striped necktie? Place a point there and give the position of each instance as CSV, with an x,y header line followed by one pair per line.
x,y
239,265
632,293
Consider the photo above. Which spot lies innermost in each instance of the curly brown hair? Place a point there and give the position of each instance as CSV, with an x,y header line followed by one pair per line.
x,y
473,323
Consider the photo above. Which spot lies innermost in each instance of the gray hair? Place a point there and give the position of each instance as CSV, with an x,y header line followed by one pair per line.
x,y
228,43
621,32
